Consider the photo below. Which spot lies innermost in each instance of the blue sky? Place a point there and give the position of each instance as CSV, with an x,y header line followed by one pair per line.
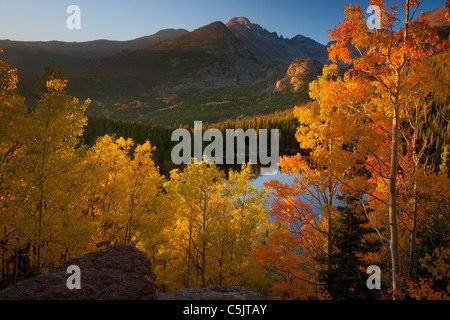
x,y
45,20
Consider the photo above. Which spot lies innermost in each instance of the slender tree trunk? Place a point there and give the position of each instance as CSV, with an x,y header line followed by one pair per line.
x,y
41,208
393,222
329,248
189,256
393,213
130,223
221,265
204,264
15,266
4,284
413,229
41,196
416,158
204,250
128,233
330,227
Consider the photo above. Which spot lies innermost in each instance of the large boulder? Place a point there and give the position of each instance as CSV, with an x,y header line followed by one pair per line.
x,y
119,272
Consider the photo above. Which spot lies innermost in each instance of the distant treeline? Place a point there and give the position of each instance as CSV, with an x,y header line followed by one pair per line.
x,y
160,136
436,127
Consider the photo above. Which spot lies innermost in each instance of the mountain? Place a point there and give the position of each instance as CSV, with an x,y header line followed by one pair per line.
x,y
222,59
437,19
215,72
268,46
218,71
264,46
32,56
217,55
209,57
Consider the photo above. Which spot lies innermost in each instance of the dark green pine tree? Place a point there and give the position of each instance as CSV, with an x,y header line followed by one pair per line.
x,y
347,278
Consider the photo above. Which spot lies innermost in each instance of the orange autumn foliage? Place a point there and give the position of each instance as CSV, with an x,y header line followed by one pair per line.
x,y
356,134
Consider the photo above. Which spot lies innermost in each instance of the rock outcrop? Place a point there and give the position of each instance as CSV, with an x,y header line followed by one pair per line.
x,y
119,272
225,292
298,75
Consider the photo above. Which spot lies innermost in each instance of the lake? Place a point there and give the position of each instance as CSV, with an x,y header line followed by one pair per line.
x,y
259,181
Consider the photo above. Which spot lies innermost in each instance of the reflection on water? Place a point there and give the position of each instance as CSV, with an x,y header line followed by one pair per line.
x,y
259,181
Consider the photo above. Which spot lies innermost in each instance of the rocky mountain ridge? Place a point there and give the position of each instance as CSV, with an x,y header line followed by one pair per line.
x,y
216,72
264,45
32,56
218,55
268,46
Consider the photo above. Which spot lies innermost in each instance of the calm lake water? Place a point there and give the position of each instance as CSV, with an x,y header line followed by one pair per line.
x,y
259,180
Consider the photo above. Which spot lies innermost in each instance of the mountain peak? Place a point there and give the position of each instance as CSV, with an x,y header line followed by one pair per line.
x,y
213,30
199,38
238,20
165,32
